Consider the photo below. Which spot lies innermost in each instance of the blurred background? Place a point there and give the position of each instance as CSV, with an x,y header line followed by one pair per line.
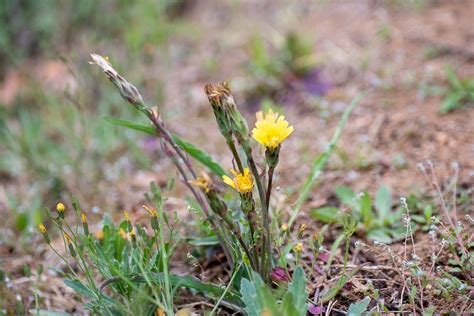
x,y
306,58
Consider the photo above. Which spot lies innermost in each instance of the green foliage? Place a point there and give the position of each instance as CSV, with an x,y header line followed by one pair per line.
x,y
358,308
320,162
460,93
376,218
258,297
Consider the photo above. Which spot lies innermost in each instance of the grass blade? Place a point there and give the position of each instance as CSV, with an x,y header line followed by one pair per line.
x,y
321,160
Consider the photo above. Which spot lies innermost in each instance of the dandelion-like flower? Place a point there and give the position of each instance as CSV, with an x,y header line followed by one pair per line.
x,y
243,183
271,129
84,218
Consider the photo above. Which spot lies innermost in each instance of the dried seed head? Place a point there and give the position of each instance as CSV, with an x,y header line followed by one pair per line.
x,y
127,90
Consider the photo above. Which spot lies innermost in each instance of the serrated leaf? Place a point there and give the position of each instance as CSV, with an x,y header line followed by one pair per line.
x,y
357,308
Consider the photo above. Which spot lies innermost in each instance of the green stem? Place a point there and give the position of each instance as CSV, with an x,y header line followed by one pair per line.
x,y
232,147
266,247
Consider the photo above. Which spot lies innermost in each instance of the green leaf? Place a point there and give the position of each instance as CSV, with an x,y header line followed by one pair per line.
x,y
327,214
334,248
383,203
80,288
429,311
200,156
347,197
253,306
357,308
189,148
451,102
43,312
336,288
320,162
257,296
380,235
297,288
204,241
366,209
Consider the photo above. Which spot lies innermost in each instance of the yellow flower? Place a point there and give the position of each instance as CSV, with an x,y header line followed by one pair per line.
x,y
271,130
243,183
284,227
42,228
299,247
132,233
84,218
203,181
60,207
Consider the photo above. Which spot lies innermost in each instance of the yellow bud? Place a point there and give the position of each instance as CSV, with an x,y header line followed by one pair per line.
x,y
299,247
42,228
84,218
284,227
151,211
68,239
302,228
60,207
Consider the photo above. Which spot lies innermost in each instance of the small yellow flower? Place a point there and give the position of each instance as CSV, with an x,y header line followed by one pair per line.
x,y
151,211
203,181
60,207
132,233
299,247
122,233
284,227
127,217
42,228
271,130
243,183
84,218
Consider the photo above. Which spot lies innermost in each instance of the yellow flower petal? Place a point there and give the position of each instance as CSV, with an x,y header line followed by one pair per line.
x,y
271,129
